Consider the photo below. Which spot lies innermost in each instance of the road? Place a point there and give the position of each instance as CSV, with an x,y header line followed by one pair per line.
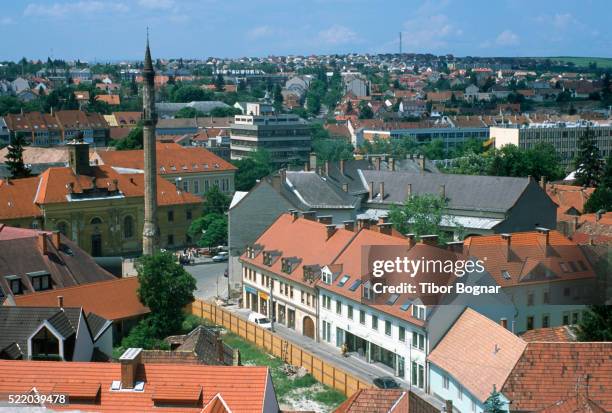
x,y
206,275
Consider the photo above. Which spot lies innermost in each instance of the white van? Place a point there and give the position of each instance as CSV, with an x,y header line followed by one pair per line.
x,y
261,320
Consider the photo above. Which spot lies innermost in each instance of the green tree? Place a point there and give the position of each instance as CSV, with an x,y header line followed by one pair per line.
x,y
200,225
494,404
588,164
219,83
596,324
216,202
166,288
224,112
216,233
132,141
14,158
188,112
602,197
365,111
186,93
251,169
421,215
278,97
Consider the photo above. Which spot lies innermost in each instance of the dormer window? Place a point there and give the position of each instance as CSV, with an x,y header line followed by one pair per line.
x,y
418,312
326,277
368,294
15,284
41,280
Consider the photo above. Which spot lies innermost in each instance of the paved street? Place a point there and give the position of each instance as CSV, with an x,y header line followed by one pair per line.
x,y
207,274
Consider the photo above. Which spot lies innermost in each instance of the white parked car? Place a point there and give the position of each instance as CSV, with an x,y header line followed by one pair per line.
x,y
261,320
221,257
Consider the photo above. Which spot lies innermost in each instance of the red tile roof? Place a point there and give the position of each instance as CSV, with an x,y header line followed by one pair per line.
x,y
576,404
171,159
549,373
113,300
478,352
16,198
375,401
243,388
554,334
529,257
569,198
109,99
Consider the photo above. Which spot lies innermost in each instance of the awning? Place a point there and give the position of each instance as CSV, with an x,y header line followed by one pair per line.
x,y
250,289
263,295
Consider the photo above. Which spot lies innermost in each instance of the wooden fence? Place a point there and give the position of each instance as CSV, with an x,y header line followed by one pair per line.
x,y
286,350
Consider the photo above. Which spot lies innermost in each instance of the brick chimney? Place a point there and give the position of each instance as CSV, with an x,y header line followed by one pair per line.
x,y
429,240
385,228
543,182
377,163
42,243
306,167
363,223
349,225
331,230
342,165
60,301
325,219
313,161
55,239
411,240
294,214
391,164
544,239
310,215
129,360
382,191
421,162
455,246
507,245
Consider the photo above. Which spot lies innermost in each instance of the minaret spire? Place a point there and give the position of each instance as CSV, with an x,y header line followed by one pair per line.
x,y
150,233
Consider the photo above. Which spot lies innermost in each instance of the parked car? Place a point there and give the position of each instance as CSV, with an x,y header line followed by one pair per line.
x,y
221,257
261,320
386,382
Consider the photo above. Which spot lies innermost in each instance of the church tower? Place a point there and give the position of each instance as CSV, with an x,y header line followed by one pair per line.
x,y
150,235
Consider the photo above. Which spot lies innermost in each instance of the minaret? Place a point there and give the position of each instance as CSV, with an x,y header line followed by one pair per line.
x,y
150,236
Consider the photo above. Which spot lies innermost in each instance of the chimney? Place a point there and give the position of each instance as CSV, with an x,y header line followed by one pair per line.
x,y
349,225
325,219
294,214
448,406
543,182
55,239
331,229
60,301
599,214
306,167
392,164
283,175
543,239
455,246
313,161
421,162
382,191
326,168
442,190
310,215
345,187
429,240
129,360
363,223
408,191
78,157
508,243
377,163
371,191
411,240
385,228
342,162
42,243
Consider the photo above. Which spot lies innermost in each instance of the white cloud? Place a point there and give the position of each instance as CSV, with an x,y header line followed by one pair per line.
x,y
83,7
429,32
507,38
337,34
260,32
157,4
5,21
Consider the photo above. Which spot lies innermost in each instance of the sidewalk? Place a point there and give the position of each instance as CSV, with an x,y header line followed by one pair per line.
x,y
351,364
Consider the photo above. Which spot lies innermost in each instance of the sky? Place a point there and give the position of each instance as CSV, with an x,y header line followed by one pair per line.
x,y
111,30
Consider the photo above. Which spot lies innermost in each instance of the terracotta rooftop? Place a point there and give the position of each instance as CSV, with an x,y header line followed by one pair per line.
x,y
549,373
554,334
171,159
570,198
478,353
576,404
528,258
114,299
375,401
109,99
243,388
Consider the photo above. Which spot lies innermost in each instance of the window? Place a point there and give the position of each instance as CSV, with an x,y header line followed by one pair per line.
x,y
388,327
545,321
128,227
196,186
350,311
62,227
473,405
16,287
40,282
170,239
45,345
95,221
566,318
338,307
362,316
402,334
374,322
418,340
170,216
326,301
446,382
186,186
418,312
326,331
343,280
546,297
460,392
188,214
530,298
575,317
530,322
566,292
504,322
